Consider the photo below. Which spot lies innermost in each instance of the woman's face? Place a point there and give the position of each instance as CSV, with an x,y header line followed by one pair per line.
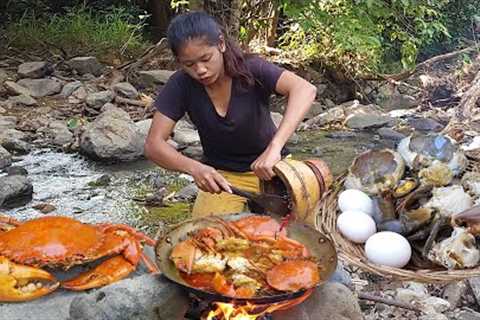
x,y
202,61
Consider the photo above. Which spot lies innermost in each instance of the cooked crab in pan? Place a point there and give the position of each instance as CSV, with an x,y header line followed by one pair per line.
x,y
246,258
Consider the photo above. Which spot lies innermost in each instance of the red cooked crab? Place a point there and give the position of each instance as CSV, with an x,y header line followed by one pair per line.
x,y
63,242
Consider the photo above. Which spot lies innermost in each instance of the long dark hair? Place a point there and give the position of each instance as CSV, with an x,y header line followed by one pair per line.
x,y
200,25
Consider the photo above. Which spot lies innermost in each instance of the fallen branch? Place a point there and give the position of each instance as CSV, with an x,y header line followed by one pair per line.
x,y
406,74
147,54
390,302
132,102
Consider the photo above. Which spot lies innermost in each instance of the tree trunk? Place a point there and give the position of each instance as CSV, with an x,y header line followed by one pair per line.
x,y
272,25
196,5
235,13
161,13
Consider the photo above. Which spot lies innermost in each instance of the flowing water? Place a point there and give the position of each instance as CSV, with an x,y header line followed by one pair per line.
x,y
70,182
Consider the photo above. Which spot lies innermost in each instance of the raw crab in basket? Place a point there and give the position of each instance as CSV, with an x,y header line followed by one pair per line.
x,y
63,242
375,171
435,157
245,257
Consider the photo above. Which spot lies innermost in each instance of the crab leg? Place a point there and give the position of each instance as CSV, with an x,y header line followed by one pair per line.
x,y
137,234
110,270
8,223
16,282
107,272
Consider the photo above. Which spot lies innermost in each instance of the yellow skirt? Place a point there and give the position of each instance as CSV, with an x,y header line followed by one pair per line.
x,y
208,204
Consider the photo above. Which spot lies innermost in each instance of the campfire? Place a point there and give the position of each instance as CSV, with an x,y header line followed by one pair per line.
x,y
250,311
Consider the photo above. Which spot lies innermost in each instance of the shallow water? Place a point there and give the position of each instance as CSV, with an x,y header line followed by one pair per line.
x,y
65,180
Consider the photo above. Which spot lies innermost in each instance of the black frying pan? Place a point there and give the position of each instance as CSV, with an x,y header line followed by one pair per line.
x,y
319,246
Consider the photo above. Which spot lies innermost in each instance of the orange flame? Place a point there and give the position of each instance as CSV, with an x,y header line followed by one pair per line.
x,y
230,311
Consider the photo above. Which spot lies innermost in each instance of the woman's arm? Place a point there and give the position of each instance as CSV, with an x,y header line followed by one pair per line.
x,y
159,151
301,95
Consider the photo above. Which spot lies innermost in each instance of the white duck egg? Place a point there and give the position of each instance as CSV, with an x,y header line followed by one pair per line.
x,y
353,199
356,226
389,249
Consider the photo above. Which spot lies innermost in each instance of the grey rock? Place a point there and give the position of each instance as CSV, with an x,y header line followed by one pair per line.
x,y
316,109
7,122
454,292
13,140
367,121
145,297
331,301
54,306
34,70
78,95
401,101
341,135
3,76
15,190
388,133
185,133
467,315
188,193
425,124
113,136
58,133
143,127
321,89
16,89
433,316
5,158
152,78
22,100
69,88
194,152
125,89
356,108
84,65
341,276
16,170
35,123
98,99
336,114
41,87
474,283
2,110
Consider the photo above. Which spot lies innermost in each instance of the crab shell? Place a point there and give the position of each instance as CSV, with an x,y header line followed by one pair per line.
x,y
457,251
421,151
375,171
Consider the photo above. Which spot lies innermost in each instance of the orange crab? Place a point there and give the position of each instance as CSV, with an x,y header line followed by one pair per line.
x,y
265,249
63,242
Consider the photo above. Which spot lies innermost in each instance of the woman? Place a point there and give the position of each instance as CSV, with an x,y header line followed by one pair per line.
x,y
226,95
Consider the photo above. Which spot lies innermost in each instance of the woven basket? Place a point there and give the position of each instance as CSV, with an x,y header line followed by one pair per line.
x,y
354,253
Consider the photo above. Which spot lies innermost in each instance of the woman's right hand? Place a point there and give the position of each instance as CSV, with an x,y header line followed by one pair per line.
x,y
209,180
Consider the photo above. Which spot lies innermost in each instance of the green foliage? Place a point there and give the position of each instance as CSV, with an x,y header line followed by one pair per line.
x,y
109,33
368,36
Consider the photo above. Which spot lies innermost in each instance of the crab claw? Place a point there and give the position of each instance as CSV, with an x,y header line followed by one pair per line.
x,y
17,282
107,272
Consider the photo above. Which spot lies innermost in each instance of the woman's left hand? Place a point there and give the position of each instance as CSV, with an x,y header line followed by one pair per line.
x,y
263,165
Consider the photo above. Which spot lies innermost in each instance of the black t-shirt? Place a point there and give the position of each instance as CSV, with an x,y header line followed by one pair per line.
x,y
232,142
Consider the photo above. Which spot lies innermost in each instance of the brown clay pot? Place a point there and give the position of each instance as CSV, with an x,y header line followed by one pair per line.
x,y
304,182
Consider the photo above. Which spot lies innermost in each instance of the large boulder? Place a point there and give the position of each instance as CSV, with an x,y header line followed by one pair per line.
x,y
113,136
41,87
125,89
14,140
332,301
15,189
144,298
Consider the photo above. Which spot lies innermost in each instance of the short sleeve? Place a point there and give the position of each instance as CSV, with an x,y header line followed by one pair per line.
x,y
267,73
170,100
